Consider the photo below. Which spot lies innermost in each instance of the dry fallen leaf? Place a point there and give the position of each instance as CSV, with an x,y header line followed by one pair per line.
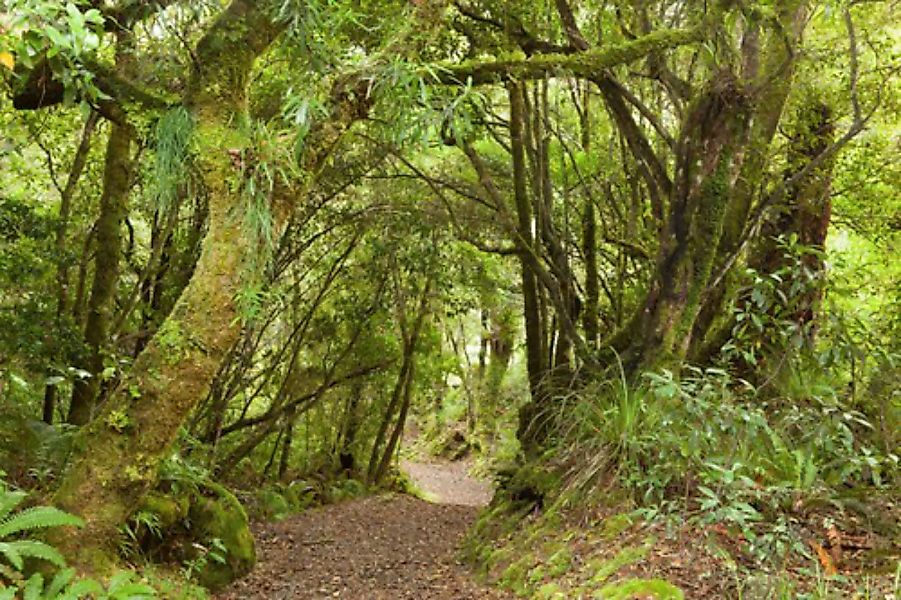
x,y
825,560
835,544
7,60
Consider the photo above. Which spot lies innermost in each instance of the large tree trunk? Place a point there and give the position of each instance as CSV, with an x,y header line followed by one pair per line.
x,y
771,68
119,452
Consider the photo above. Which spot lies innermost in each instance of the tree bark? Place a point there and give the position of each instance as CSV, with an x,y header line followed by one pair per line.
x,y
113,208
804,215
589,239
708,158
118,453
771,69
536,360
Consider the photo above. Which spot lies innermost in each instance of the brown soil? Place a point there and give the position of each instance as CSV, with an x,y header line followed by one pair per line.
x,y
388,547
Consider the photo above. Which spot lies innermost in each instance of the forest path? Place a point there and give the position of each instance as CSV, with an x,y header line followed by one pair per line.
x,y
446,482
377,548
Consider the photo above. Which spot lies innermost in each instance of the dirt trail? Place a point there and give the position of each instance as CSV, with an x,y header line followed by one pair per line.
x,y
448,482
379,548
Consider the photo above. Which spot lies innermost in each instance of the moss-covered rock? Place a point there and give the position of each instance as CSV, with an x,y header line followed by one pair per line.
x,y
218,515
658,589
205,515
528,485
169,509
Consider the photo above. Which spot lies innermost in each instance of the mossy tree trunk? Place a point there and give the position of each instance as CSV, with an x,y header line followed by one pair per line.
x,y
118,453
536,354
117,176
768,62
708,160
803,217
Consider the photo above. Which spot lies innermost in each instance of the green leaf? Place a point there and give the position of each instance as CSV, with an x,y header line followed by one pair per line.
x,y
39,517
122,586
57,38
34,587
35,549
12,555
60,581
9,501
83,588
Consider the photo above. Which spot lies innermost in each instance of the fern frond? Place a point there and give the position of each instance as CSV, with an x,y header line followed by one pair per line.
x,y
9,574
39,517
34,588
83,588
60,581
12,555
34,549
8,501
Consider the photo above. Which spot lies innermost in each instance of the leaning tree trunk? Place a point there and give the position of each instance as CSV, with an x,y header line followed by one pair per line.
x,y
119,452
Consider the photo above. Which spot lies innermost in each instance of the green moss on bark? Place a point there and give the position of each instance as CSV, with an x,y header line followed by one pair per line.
x,y
586,64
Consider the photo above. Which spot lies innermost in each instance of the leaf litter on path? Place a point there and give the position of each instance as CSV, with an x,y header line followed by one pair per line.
x,y
388,547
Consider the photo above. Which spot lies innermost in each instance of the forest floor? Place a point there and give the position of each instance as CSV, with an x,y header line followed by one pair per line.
x,y
387,547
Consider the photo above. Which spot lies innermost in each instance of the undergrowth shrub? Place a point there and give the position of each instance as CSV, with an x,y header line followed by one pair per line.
x,y
720,449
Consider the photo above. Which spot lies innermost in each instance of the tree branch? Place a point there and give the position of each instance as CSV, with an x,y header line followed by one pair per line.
x,y
588,64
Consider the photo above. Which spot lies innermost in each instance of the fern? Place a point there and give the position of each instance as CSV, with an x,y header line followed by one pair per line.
x,y
38,517
18,550
15,524
62,579
9,501
63,586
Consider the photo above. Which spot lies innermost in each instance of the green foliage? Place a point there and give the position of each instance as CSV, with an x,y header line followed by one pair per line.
x,y
17,544
727,453
26,522
394,200
62,34
171,171
766,316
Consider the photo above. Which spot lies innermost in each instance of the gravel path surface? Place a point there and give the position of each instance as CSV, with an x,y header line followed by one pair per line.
x,y
449,482
389,547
